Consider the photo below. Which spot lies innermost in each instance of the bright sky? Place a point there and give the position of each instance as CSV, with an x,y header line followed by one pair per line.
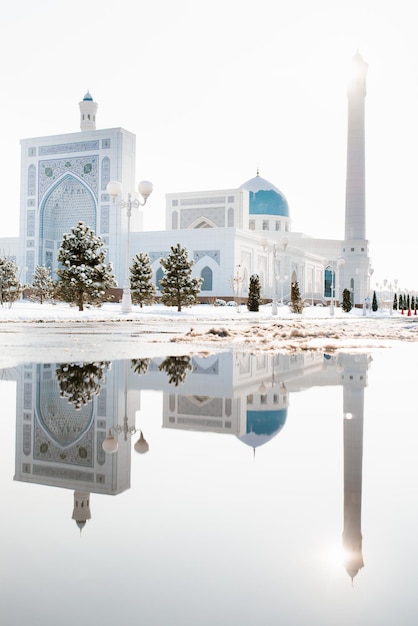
x,y
214,90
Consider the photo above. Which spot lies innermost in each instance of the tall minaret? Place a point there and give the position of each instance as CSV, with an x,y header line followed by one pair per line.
x,y
355,252
88,110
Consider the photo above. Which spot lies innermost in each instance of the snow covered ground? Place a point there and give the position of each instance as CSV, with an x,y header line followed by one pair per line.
x,y
54,333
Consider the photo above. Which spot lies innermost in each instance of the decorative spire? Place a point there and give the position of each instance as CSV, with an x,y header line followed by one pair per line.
x,y
88,110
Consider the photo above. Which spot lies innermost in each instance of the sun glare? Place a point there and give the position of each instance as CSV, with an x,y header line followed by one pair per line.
x,y
334,555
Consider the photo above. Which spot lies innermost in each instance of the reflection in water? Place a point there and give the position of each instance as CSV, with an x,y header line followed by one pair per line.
x,y
140,366
64,413
79,382
353,409
176,368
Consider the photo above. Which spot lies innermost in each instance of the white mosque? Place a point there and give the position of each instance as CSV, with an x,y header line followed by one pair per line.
x,y
229,233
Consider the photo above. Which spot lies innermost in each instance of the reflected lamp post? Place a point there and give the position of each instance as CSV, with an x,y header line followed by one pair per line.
x,y
114,189
110,444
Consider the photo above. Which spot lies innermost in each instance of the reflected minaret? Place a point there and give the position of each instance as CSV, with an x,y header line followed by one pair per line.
x,y
81,510
354,382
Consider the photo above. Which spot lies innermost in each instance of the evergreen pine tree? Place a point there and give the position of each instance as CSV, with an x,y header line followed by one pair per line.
x,y
178,288
79,382
176,368
296,305
347,304
401,305
142,288
395,302
83,276
140,366
374,302
42,286
10,286
253,303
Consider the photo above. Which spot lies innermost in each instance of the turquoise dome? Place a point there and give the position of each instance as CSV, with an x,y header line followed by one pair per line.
x,y
88,97
265,198
263,426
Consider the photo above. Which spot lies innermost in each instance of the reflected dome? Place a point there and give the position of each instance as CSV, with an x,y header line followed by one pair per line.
x,y
262,426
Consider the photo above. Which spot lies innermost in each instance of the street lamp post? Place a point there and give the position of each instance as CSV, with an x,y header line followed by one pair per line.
x,y
237,280
114,189
334,265
283,279
265,246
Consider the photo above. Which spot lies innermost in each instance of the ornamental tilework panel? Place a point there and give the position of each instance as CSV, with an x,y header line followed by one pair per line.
x,y
199,369
215,215
85,168
80,453
63,473
212,254
105,173
213,407
76,146
69,202
104,219
156,256
31,180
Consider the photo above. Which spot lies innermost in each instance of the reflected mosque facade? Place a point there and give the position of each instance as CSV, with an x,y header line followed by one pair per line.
x,y
230,234
62,420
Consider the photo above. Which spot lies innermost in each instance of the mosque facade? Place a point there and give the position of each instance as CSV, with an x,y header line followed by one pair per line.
x,y
230,234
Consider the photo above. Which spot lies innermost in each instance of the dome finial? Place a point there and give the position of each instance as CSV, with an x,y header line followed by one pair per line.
x,y
258,171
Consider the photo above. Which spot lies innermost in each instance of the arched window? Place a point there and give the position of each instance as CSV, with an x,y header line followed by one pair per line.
x,y
174,220
207,276
158,277
328,282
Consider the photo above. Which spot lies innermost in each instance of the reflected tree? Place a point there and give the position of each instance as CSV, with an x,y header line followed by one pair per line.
x,y
140,366
79,382
176,368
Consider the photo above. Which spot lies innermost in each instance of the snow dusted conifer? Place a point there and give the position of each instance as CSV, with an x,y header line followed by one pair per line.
x,y
42,286
176,368
143,289
10,286
79,382
178,288
296,301
83,275
254,290
374,302
346,305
